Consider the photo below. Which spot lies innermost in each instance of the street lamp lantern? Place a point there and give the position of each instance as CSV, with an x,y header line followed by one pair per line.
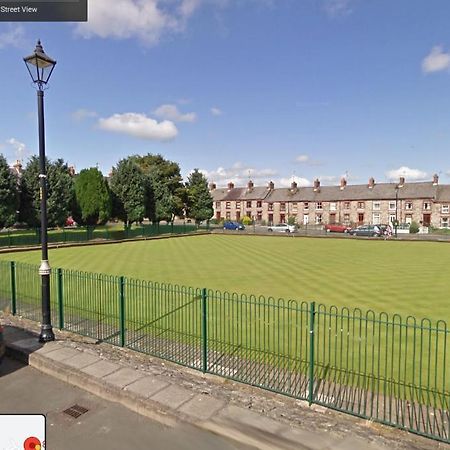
x,y
40,66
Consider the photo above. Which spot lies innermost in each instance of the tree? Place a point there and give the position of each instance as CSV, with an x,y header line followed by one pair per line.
x,y
167,187
93,198
199,201
60,193
8,194
131,192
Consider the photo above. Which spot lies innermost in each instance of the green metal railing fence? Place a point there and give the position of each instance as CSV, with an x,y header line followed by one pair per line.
x,y
20,238
391,370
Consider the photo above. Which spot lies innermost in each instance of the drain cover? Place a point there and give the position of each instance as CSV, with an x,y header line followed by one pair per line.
x,y
75,411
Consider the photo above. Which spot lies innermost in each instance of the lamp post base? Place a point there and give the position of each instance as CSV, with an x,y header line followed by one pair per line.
x,y
47,334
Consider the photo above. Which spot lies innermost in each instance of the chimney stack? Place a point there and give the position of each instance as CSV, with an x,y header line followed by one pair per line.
x,y
343,183
316,185
435,179
230,185
371,182
271,186
18,167
72,171
250,185
293,186
402,182
212,186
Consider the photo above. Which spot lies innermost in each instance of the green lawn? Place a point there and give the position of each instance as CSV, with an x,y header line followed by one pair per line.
x,y
408,278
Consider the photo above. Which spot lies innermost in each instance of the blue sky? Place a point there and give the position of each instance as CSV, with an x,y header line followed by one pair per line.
x,y
271,89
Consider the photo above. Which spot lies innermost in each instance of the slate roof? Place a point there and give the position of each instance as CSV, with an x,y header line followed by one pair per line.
x,y
380,191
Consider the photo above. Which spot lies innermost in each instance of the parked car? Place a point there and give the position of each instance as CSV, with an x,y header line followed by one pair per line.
x,y
233,226
336,228
282,228
2,344
366,230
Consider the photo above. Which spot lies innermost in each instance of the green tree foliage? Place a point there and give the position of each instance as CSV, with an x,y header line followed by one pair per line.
x,y
8,194
131,192
247,220
167,187
60,193
199,201
414,228
93,199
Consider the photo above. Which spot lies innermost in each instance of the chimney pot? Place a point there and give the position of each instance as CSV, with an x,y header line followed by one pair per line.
x,y
230,185
343,183
435,179
371,182
316,185
402,182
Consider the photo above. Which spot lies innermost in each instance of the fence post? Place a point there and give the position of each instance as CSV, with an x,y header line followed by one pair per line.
x,y
312,313
204,332
122,310
13,288
60,297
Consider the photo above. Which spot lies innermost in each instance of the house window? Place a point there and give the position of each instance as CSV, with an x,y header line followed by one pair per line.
x,y
347,219
376,206
444,209
238,205
248,213
228,215
408,205
282,206
360,218
270,219
259,204
333,206
444,222
294,207
376,218
392,206
392,218
305,219
270,206
305,206
426,206
318,218
319,207
408,218
346,205
217,205
282,218
259,215
360,205
228,206
249,204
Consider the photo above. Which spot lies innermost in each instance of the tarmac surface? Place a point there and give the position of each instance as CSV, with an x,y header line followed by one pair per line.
x,y
174,395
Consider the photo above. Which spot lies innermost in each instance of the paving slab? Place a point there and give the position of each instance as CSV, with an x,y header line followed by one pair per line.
x,y
12,334
48,347
147,386
30,344
173,396
202,406
123,377
82,360
61,354
101,368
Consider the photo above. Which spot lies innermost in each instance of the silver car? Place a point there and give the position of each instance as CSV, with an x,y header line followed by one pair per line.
x,y
282,228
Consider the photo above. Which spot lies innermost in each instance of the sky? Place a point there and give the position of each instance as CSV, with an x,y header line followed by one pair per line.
x,y
265,90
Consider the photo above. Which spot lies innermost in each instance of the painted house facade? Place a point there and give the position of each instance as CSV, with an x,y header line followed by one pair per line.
x,y
426,203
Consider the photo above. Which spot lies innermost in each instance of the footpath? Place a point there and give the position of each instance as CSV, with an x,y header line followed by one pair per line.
x,y
172,394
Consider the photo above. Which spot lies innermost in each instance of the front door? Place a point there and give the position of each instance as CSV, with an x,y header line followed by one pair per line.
x,y
426,220
332,218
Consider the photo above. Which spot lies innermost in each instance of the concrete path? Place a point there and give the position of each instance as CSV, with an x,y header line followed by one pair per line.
x,y
160,397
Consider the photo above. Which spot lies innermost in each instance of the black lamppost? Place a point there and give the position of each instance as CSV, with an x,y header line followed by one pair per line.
x,y
41,67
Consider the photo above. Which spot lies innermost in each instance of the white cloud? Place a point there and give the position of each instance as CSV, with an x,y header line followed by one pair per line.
x,y
216,111
239,174
146,20
139,125
336,8
170,112
286,182
19,148
81,114
436,60
305,159
409,174
14,36
302,158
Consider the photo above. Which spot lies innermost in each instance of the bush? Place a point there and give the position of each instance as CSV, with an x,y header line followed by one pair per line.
x,y
247,220
414,228
263,223
291,220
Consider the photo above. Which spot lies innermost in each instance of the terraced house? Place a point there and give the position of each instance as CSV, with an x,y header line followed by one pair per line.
x,y
426,203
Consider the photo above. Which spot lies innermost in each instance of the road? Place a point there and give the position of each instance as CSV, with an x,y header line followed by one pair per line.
x,y
106,425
